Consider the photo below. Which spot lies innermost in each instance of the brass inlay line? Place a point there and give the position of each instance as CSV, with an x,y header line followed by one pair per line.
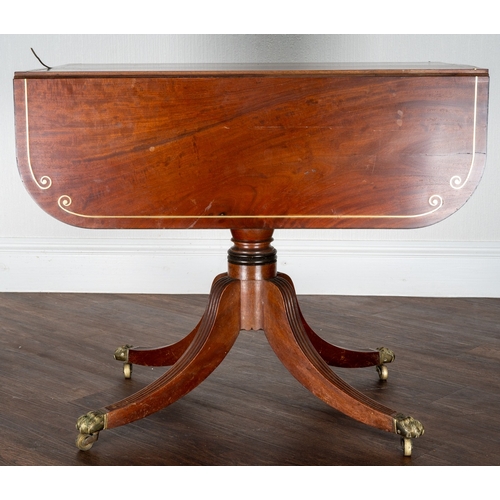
x,y
45,181
435,200
456,180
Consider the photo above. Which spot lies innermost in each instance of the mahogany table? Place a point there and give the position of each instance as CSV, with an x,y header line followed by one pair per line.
x,y
251,148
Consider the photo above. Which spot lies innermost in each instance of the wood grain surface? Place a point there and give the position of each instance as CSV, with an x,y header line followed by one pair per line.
x,y
308,148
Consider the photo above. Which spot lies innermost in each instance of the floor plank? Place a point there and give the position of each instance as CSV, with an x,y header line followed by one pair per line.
x,y
56,359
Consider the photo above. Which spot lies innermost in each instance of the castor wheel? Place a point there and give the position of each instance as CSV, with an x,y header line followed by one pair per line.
x,y
85,441
121,354
407,446
127,370
383,372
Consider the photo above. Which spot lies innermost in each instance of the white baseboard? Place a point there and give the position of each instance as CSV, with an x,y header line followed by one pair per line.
x,y
442,269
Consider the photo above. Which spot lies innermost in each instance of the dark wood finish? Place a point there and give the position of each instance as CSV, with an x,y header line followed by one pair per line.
x,y
56,361
258,148
251,150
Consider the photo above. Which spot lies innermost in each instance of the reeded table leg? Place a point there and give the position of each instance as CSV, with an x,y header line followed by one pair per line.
x,y
341,357
289,340
156,356
214,338
153,356
251,296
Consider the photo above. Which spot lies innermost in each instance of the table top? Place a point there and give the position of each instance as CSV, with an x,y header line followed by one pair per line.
x,y
252,146
244,69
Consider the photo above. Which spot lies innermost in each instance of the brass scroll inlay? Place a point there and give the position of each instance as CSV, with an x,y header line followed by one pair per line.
x,y
456,181
45,181
435,201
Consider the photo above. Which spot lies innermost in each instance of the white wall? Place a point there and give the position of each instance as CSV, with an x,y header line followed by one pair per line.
x,y
458,257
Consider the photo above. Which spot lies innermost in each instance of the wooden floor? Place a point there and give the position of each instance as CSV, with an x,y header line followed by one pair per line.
x,y
56,362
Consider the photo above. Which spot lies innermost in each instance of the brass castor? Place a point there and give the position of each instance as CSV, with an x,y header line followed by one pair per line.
x,y
85,441
407,446
407,428
386,356
121,354
89,426
383,372
127,370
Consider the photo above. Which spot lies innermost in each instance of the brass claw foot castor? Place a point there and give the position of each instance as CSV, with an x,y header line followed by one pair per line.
x,y
386,356
89,426
407,428
121,354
